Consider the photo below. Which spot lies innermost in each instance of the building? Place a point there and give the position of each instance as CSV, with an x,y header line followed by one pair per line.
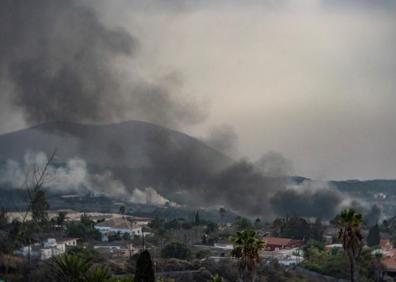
x,y
116,249
330,247
47,249
142,221
386,244
277,243
224,246
118,225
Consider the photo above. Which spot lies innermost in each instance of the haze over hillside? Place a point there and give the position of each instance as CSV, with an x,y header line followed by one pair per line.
x,y
121,160
126,144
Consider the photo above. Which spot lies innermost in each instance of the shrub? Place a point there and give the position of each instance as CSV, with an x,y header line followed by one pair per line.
x,y
176,250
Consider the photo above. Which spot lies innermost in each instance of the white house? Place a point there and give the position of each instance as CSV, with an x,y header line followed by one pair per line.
x,y
118,225
49,248
224,246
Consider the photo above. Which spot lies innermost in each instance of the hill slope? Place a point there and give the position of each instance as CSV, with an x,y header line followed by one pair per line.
x,y
127,144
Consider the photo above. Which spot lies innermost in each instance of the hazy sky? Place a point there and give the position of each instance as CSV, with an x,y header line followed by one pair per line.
x,y
312,79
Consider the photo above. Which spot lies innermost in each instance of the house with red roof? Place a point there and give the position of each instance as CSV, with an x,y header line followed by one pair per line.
x,y
278,243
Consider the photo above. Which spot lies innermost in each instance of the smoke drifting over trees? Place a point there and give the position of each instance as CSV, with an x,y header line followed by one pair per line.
x,y
308,199
59,62
261,188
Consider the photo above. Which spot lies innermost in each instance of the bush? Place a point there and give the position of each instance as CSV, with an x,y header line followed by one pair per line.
x,y
84,229
176,250
336,264
203,254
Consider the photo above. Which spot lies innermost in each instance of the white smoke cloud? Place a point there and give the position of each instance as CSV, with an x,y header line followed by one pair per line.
x,y
147,196
74,176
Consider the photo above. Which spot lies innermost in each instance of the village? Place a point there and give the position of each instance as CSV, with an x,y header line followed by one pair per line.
x,y
180,247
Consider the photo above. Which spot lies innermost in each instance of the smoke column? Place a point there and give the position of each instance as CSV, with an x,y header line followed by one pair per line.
x,y
59,63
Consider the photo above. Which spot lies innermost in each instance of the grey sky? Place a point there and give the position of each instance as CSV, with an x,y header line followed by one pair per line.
x,y
313,79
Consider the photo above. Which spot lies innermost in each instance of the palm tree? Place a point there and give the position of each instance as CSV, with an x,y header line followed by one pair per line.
x,y
349,223
247,246
98,274
217,278
70,268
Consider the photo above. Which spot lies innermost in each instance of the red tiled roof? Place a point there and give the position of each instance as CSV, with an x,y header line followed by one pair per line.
x,y
384,242
277,241
390,263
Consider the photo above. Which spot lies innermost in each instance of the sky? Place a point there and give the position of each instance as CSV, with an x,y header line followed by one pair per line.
x,y
314,80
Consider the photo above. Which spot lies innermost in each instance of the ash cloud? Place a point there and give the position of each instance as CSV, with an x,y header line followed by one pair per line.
x,y
309,199
223,138
60,63
263,188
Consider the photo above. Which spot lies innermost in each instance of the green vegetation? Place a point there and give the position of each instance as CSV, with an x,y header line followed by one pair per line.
x,y
217,278
222,212
144,268
70,268
297,228
196,219
84,229
86,253
246,249
349,223
203,254
335,263
176,250
373,237
242,223
60,220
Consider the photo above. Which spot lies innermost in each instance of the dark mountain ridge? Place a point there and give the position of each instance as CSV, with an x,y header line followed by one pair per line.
x,y
126,144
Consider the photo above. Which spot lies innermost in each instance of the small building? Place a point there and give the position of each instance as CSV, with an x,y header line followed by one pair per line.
x,y
47,249
386,244
137,220
278,243
333,246
116,249
223,246
390,265
118,225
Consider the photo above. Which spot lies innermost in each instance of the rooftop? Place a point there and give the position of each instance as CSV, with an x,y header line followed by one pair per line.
x,y
117,223
279,241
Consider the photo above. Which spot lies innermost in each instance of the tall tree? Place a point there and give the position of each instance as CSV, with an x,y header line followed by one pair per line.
x,y
247,246
122,209
3,217
317,230
349,223
257,223
144,268
39,206
373,237
197,220
60,220
35,181
222,212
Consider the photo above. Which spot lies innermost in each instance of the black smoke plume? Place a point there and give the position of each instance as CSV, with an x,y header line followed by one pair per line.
x,y
254,189
311,201
60,62
59,59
